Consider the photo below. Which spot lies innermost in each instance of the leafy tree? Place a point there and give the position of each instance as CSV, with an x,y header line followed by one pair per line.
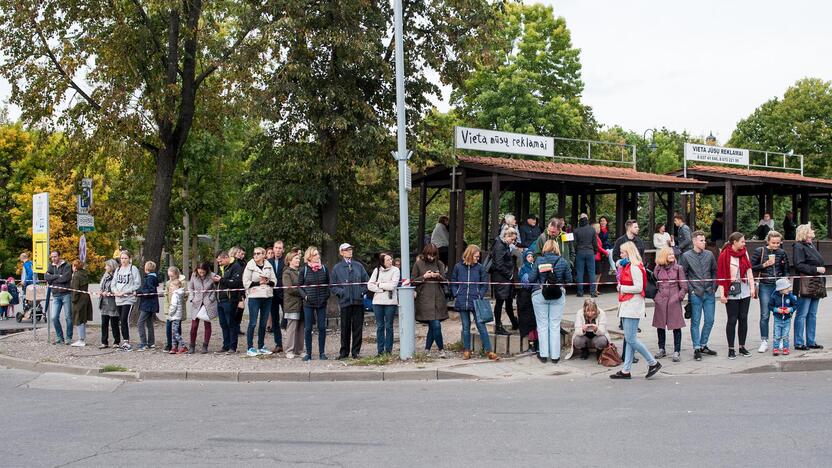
x,y
137,70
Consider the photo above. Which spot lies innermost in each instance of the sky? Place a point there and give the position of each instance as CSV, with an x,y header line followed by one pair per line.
x,y
699,66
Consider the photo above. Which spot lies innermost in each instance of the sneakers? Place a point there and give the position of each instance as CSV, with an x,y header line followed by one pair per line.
x,y
775,352
763,346
662,353
103,346
277,349
182,350
79,344
708,351
323,357
785,351
621,375
744,352
442,354
151,347
815,346
126,346
264,351
58,341
697,355
307,357
466,355
676,357
732,354
291,355
492,356
652,370
141,348
172,350
252,352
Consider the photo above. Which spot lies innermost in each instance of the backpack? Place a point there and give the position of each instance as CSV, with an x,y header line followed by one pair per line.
x,y
651,288
488,263
550,289
15,294
370,294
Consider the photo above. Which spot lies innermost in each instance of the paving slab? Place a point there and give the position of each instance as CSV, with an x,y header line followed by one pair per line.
x,y
62,381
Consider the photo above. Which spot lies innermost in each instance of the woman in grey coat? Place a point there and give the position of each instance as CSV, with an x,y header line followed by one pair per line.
x,y
201,287
107,305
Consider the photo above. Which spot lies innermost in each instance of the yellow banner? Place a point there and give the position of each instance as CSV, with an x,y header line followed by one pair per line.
x,y
40,251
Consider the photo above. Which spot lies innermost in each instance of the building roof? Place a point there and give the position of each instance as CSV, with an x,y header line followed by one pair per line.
x,y
759,176
535,168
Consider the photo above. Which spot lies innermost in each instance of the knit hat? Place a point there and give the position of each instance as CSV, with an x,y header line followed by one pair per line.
x,y
4,287
783,283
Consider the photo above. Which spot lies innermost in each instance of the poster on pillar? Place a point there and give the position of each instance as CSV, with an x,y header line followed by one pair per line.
x,y
503,142
716,154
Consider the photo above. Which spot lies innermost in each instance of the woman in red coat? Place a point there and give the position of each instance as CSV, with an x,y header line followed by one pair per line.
x,y
672,287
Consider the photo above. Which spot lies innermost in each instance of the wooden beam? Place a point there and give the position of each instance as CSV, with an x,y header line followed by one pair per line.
x,y
495,209
730,211
804,207
692,212
452,227
486,200
651,212
518,203
561,211
620,213
423,204
526,201
829,216
459,239
593,208
541,211
574,218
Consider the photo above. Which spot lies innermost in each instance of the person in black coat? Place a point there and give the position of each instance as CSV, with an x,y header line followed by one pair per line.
x,y
229,282
809,263
277,261
502,271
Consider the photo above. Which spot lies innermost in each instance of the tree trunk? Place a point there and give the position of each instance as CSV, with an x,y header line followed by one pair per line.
x,y
329,226
157,224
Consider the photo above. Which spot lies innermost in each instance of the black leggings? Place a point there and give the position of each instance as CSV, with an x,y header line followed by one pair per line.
x,y
124,318
109,322
677,339
737,311
498,312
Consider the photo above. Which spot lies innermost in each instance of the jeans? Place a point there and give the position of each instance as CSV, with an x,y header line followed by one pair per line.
x,y
805,321
277,304
124,319
548,315
176,334
352,328
384,327
112,323
677,338
226,312
61,301
465,315
258,308
434,335
147,335
311,316
82,331
701,305
168,335
781,332
585,263
765,297
737,313
633,344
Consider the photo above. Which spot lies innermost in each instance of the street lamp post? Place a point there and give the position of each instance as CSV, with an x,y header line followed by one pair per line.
x,y
407,314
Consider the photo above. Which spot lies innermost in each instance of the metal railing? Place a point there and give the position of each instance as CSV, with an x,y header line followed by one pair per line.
x,y
596,151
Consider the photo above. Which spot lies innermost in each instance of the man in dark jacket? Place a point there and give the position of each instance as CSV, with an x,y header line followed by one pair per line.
x,y
230,282
348,281
277,263
769,262
58,276
148,307
529,232
684,240
630,235
586,246
502,273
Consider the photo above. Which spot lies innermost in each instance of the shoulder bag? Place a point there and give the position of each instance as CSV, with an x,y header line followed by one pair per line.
x,y
482,310
609,356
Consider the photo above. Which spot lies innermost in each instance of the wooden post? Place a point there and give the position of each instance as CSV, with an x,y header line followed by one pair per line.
x,y
518,203
593,209
524,207
692,212
795,206
459,239
730,213
561,212
452,227
671,203
620,212
486,199
541,213
829,216
804,207
761,204
423,201
651,212
495,209
574,218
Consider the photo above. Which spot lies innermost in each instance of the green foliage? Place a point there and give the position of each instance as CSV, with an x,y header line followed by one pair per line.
x,y
114,368
382,360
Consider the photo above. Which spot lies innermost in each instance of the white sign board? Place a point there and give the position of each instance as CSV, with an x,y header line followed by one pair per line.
x,y
504,142
86,223
716,154
40,213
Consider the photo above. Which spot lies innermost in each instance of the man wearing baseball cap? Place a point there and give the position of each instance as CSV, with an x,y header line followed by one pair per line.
x,y
348,281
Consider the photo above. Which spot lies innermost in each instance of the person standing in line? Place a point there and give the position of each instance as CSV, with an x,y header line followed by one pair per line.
x,y
348,281
229,282
604,233
275,323
525,308
431,304
148,307
550,271
770,262
81,302
661,238
701,272
175,315
736,283
239,255
502,273
58,276
314,288
469,284
441,237
293,306
808,262
203,304
782,305
599,258
383,283
27,272
668,315
128,281
107,306
789,226
630,235
684,240
586,247
718,229
631,309
259,281
529,232
172,273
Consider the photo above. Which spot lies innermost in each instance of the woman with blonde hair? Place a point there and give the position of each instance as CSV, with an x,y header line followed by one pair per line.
x,y
809,264
314,289
631,282
549,273
469,283
668,315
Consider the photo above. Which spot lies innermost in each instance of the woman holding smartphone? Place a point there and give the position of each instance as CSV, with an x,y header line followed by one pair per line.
x,y
431,305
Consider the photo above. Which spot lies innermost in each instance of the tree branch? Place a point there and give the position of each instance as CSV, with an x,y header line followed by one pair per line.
x,y
156,43
219,62
61,69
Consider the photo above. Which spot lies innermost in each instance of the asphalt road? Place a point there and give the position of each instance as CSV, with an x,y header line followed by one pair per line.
x,y
740,420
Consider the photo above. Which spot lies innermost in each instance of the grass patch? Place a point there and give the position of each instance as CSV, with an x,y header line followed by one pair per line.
x,y
114,368
382,360
422,357
456,347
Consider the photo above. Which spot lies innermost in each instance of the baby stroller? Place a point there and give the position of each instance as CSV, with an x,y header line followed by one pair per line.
x,y
30,306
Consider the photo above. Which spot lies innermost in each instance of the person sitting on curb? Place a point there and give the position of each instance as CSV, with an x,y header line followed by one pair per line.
x,y
590,330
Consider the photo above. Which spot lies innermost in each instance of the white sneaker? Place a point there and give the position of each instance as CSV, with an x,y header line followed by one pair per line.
x,y
264,351
442,354
290,355
763,346
252,352
79,344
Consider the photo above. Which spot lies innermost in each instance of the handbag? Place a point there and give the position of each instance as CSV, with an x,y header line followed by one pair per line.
x,y
813,287
550,289
482,310
688,310
609,356
736,286
203,314
651,288
446,290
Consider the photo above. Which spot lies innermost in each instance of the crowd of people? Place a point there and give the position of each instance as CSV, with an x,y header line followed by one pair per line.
x,y
286,292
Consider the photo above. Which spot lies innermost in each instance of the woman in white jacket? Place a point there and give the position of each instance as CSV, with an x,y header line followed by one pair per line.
x,y
631,283
127,281
259,280
383,284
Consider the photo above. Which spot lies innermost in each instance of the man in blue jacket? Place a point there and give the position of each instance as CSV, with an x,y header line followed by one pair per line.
x,y
348,281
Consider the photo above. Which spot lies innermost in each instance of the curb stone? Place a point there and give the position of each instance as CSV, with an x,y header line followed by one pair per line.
x,y
66,369
423,374
272,376
342,376
807,365
451,375
126,376
163,375
222,376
